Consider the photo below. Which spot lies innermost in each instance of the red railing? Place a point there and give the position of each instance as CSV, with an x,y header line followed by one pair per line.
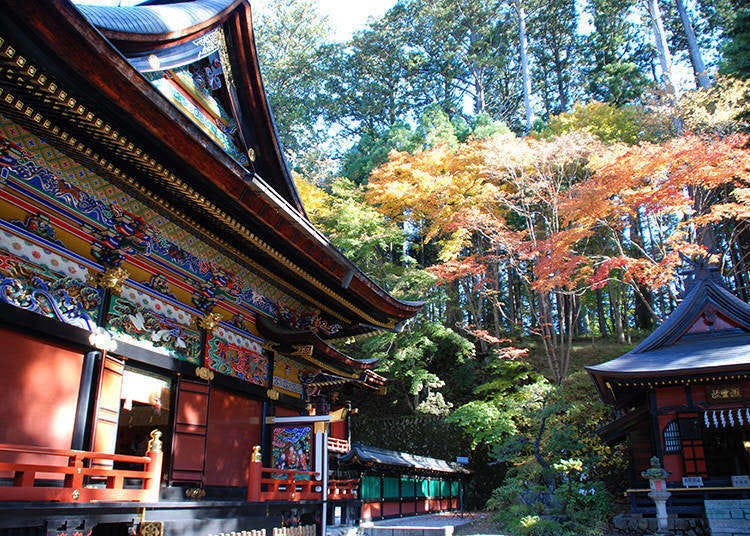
x,y
338,445
289,485
266,484
342,489
80,476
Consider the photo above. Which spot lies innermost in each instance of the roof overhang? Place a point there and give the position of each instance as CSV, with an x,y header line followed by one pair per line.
x,y
64,81
697,359
371,457
617,430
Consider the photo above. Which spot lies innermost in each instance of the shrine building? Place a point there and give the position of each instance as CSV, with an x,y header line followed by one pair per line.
x,y
168,315
683,396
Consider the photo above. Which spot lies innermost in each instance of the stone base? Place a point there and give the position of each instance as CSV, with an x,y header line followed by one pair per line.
x,y
637,525
728,517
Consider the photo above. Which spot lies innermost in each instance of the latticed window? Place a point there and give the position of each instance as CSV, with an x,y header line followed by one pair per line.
x,y
693,453
672,444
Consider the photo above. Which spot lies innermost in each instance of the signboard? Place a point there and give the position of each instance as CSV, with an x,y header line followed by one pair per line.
x,y
724,393
463,460
692,481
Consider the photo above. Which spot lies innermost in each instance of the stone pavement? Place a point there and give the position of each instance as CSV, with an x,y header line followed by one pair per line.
x,y
422,525
447,519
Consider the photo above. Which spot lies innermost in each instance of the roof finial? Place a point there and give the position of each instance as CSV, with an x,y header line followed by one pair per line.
x,y
700,268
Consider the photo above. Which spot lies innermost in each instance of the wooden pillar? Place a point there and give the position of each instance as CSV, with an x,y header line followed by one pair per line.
x,y
382,496
268,408
254,475
655,433
400,495
153,483
86,395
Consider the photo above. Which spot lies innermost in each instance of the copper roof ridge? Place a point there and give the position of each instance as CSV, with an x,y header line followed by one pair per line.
x,y
154,22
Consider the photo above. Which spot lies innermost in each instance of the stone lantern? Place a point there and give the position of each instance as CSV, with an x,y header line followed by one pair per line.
x,y
657,479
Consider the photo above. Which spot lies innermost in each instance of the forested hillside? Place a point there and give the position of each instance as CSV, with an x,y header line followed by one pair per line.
x,y
536,172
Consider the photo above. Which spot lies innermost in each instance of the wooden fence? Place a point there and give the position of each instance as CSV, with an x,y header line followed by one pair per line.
x,y
304,530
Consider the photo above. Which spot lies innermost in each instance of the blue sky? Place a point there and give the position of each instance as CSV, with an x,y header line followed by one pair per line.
x,y
348,16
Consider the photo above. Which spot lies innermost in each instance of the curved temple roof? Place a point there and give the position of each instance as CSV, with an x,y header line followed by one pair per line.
x,y
290,338
167,21
167,158
708,332
371,456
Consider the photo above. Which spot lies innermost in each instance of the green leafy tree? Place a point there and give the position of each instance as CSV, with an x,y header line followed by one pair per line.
x,y
737,50
629,124
554,45
372,151
429,365
291,36
370,86
618,60
546,435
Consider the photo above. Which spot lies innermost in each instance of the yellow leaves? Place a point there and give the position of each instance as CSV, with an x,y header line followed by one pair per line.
x,y
315,200
716,109
563,209
432,185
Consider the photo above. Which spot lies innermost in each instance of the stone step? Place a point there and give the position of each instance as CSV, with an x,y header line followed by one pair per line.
x,y
728,517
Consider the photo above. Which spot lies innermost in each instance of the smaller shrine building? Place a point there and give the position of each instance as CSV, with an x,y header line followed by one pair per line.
x,y
683,395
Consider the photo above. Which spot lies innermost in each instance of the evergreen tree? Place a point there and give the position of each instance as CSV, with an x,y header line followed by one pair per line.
x,y
616,58
737,50
291,35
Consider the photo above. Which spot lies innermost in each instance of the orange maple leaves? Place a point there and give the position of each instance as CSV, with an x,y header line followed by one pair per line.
x,y
566,206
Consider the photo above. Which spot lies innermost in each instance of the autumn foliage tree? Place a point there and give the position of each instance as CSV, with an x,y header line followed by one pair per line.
x,y
527,227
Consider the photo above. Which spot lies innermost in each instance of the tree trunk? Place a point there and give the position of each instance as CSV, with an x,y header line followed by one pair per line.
x,y
660,38
560,79
453,313
644,298
512,290
614,304
524,53
600,317
699,68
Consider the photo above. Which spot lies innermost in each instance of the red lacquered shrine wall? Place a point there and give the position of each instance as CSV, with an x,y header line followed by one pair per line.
x,y
38,393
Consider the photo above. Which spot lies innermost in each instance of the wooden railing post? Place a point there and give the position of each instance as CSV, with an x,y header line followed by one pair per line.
x,y
254,475
74,480
152,483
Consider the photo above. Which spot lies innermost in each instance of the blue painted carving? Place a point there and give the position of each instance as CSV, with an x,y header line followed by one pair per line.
x,y
66,299
127,234
118,233
40,225
160,284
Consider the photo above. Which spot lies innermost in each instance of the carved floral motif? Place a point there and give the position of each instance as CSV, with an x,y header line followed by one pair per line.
x,y
35,288
143,327
239,357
